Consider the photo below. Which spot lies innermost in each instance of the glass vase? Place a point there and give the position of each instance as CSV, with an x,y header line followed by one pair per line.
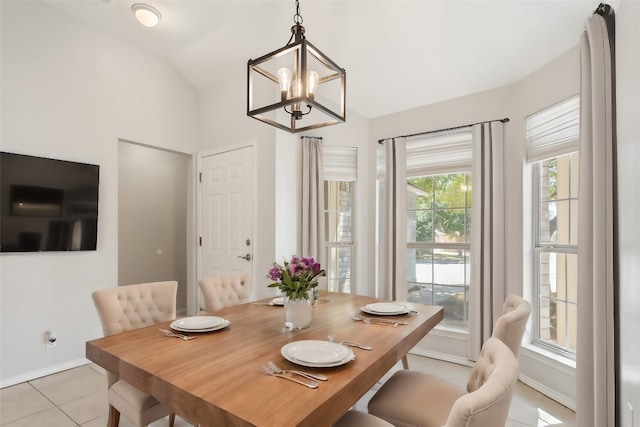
x,y
297,313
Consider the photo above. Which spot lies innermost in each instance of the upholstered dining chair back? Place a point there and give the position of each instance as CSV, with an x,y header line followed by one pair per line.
x,y
490,389
122,309
512,323
225,290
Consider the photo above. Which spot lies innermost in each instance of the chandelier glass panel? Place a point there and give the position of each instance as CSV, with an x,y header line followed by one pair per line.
x,y
297,87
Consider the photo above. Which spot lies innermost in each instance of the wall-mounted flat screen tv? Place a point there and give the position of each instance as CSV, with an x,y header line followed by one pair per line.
x,y
47,204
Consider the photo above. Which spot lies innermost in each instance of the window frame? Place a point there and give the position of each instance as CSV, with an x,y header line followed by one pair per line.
x,y
330,244
464,246
538,248
340,165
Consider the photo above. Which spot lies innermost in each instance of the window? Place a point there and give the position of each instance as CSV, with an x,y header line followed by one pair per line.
x,y
340,174
438,243
552,143
556,251
439,221
338,228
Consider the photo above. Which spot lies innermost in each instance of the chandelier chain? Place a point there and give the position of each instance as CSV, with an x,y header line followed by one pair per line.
x,y
297,18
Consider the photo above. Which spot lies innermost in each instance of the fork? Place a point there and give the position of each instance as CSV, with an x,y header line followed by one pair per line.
x,y
271,372
370,320
277,370
173,334
350,343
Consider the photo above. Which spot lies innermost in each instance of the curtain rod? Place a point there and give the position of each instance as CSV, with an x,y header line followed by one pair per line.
x,y
305,136
505,120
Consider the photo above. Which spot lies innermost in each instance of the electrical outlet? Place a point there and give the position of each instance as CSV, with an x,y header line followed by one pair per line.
x,y
52,339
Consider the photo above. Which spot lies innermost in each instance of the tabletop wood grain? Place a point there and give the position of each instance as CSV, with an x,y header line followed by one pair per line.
x,y
217,379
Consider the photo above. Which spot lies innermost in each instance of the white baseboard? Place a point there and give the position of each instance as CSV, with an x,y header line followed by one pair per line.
x,y
28,376
550,393
442,356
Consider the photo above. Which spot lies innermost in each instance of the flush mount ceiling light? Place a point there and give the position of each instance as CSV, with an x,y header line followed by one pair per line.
x,y
296,87
146,15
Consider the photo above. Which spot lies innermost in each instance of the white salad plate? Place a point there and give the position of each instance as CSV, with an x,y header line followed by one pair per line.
x,y
317,354
385,308
277,301
197,323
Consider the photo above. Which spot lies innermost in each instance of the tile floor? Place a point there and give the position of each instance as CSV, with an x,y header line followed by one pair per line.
x,y
78,397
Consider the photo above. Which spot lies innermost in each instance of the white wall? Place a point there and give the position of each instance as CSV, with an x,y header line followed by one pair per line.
x,y
152,232
224,123
70,92
355,133
550,84
488,105
628,115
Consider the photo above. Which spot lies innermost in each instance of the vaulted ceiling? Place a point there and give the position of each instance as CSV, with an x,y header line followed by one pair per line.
x,y
398,54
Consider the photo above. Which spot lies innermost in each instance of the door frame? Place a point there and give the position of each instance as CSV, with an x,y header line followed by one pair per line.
x,y
198,211
189,260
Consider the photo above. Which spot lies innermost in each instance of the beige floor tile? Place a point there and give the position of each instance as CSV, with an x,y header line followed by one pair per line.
x,y
82,397
97,368
102,422
70,385
19,401
180,422
88,407
512,423
98,422
53,417
551,410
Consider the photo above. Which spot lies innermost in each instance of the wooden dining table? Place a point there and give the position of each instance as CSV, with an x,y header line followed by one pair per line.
x,y
218,379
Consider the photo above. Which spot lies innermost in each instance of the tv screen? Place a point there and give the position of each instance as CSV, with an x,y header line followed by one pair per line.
x,y
47,204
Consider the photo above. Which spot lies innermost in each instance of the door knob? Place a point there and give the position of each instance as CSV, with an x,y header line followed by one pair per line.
x,y
246,257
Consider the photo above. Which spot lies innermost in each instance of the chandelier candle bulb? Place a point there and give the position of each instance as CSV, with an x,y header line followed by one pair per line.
x,y
284,78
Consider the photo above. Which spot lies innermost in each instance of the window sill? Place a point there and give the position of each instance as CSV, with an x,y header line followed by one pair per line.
x,y
451,330
550,373
548,357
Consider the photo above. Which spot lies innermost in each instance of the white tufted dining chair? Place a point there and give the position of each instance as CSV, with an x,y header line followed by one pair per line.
x,y
411,398
512,323
122,309
225,290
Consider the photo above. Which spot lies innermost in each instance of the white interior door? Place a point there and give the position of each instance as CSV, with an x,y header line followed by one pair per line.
x,y
226,214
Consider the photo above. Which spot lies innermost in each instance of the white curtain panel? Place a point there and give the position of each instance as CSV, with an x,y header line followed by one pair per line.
x,y
595,363
312,221
392,277
487,290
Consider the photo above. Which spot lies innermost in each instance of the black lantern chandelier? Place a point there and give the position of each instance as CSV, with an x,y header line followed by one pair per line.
x,y
296,87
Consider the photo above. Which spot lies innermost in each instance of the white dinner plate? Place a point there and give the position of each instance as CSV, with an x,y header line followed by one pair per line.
x,y
277,301
197,323
222,325
317,354
385,308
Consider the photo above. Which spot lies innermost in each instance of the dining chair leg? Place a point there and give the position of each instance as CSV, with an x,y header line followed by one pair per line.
x,y
172,419
114,417
405,362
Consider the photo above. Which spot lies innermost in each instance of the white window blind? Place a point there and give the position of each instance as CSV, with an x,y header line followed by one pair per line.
x,y
440,152
340,163
553,131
